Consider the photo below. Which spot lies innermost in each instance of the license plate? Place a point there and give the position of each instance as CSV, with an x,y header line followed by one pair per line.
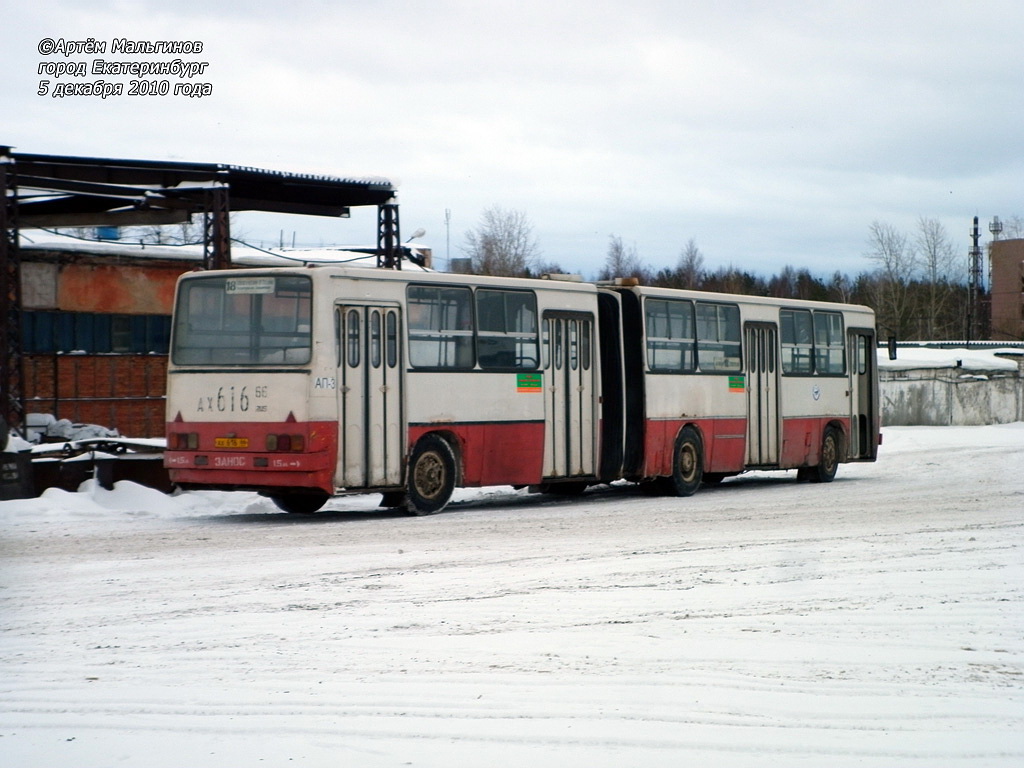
x,y
231,442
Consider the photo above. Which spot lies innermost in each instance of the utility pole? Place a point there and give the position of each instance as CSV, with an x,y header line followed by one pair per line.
x,y
974,285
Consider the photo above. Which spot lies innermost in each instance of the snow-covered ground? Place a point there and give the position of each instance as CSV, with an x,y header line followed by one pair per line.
x,y
874,621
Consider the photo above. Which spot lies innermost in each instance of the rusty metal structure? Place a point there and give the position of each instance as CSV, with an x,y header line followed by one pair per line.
x,y
64,191
12,385
389,254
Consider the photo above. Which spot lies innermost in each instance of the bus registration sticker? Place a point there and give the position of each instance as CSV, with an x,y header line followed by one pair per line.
x,y
737,383
231,442
529,382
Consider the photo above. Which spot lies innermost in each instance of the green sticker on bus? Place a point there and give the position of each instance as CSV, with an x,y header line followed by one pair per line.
x,y
737,383
529,382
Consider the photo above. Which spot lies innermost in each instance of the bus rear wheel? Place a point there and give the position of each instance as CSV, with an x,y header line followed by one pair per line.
x,y
431,476
687,463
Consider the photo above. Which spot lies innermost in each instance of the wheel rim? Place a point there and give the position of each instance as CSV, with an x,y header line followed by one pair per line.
x,y
429,475
688,462
828,453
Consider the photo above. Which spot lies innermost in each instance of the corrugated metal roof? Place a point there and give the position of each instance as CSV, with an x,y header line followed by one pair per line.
x,y
60,190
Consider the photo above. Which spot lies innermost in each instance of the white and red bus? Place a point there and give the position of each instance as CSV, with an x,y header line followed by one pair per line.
x,y
718,384
306,383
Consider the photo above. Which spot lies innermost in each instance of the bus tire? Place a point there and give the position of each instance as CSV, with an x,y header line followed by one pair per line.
x,y
392,499
687,463
432,475
300,503
828,459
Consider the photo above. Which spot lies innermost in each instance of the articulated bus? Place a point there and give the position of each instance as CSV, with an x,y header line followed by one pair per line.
x,y
306,383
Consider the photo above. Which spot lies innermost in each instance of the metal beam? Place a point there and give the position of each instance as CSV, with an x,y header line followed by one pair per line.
x,y
128,218
12,372
216,229
389,254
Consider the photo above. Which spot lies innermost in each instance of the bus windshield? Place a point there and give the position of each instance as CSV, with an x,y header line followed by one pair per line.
x,y
227,320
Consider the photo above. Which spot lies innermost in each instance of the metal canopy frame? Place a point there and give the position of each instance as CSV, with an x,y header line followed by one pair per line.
x,y
100,191
65,191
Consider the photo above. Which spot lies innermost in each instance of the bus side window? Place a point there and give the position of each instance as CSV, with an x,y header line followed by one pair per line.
x,y
669,332
557,353
440,325
574,346
506,329
352,338
829,343
585,344
375,339
545,343
718,337
337,337
797,341
391,338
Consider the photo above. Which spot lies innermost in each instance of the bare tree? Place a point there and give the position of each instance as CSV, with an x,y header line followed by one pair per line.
x,y
897,266
783,285
841,288
731,279
691,265
1013,227
502,243
937,258
621,261
151,234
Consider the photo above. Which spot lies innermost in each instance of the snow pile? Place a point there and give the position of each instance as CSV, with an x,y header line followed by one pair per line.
x,y
47,426
909,358
241,254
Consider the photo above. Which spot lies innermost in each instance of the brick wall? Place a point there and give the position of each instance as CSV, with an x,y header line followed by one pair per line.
x,y
123,392
1007,290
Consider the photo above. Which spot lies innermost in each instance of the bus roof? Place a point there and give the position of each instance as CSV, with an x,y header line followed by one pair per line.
x,y
419,275
769,301
367,272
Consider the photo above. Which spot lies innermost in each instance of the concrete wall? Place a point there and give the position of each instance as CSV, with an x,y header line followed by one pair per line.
x,y
940,397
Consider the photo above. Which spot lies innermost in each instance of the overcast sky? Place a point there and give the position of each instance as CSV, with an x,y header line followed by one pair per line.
x,y
770,133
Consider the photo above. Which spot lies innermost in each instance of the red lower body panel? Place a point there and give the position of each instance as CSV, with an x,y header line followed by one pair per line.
x,y
801,439
725,443
495,453
247,463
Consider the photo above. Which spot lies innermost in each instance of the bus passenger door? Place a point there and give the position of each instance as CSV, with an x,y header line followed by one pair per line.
x,y
763,423
860,345
570,425
371,445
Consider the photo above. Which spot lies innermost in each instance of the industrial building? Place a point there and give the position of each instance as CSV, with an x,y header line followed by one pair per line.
x,y
84,325
96,322
1007,269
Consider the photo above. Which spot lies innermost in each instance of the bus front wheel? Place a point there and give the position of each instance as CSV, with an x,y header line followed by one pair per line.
x,y
431,476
